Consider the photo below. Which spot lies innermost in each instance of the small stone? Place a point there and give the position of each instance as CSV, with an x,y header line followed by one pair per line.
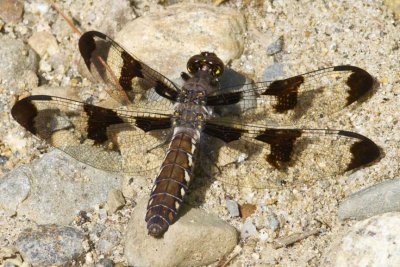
x,y
3,160
14,188
248,229
43,43
233,208
105,263
50,245
246,210
180,245
377,199
274,72
40,8
255,256
11,10
273,221
115,201
102,214
275,47
44,66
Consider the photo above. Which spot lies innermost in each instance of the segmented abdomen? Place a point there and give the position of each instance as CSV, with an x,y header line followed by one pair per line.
x,y
172,181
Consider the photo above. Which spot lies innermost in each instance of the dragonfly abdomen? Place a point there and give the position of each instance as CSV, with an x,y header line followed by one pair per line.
x,y
172,181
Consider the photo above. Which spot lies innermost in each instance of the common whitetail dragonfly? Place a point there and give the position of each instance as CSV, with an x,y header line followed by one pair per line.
x,y
185,122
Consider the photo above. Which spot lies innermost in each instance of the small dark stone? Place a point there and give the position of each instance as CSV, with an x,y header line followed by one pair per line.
x,y
3,160
105,263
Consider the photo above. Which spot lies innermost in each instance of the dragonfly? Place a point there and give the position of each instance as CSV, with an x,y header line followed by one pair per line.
x,y
167,131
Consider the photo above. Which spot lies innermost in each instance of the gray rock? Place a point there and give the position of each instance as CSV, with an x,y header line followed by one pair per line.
x,y
377,199
115,201
248,229
196,238
61,187
275,47
50,245
18,64
215,29
274,72
233,208
372,242
14,188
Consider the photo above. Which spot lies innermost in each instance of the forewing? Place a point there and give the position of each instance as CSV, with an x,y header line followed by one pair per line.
x,y
127,78
262,156
109,139
308,96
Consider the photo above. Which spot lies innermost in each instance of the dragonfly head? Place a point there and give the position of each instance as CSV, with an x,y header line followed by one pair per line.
x,y
206,61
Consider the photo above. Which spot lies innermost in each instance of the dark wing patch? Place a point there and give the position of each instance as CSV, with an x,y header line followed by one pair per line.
x,y
281,142
108,139
286,92
119,69
308,96
286,153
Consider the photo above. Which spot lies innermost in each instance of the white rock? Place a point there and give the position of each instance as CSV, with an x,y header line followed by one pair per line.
x,y
248,229
195,239
372,242
233,208
43,43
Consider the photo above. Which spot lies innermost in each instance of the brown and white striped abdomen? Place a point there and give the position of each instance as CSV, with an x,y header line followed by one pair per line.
x,y
172,181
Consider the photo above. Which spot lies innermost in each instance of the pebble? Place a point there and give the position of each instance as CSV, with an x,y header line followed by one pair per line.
x,y
43,43
50,245
248,229
216,29
246,210
273,221
233,208
11,10
372,242
61,187
17,61
105,263
115,201
3,160
195,239
14,188
274,72
275,47
377,199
